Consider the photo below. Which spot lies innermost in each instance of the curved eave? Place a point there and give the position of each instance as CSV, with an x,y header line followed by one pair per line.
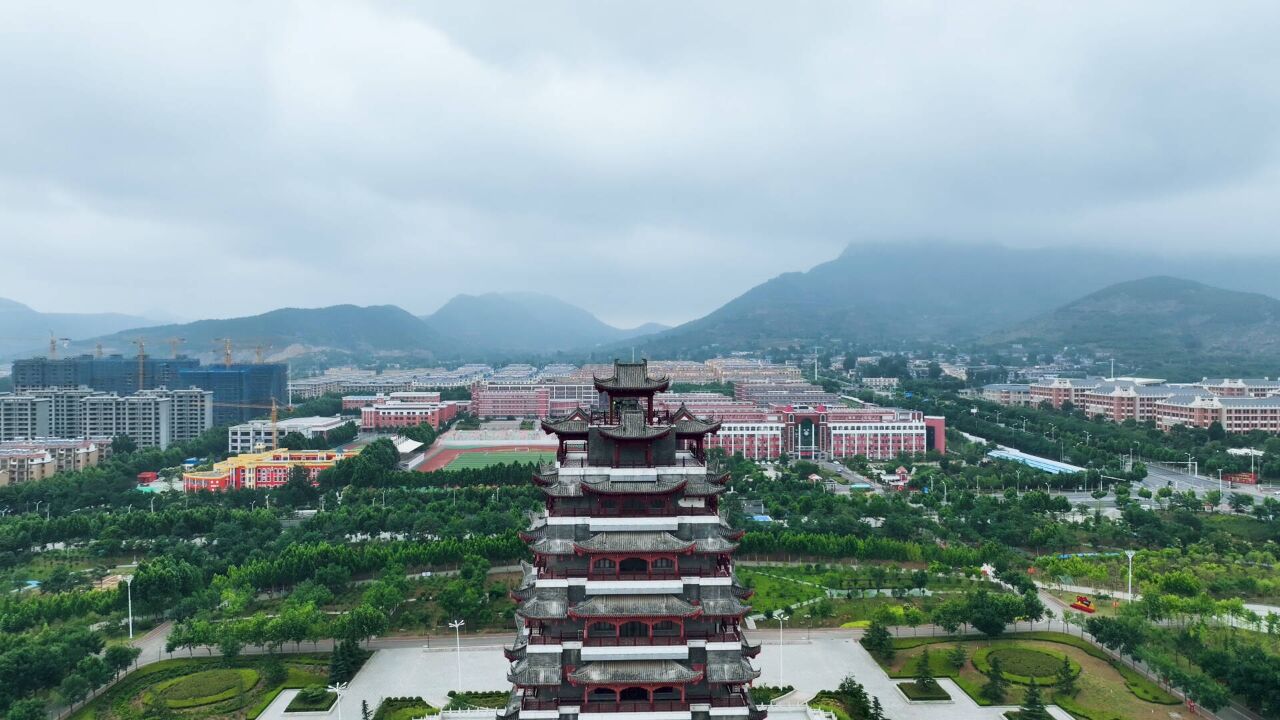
x,y
653,434
611,385
595,490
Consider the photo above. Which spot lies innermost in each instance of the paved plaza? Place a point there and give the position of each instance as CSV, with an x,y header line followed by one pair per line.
x,y
811,665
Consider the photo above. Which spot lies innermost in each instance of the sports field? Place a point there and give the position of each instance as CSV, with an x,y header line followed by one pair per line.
x,y
485,458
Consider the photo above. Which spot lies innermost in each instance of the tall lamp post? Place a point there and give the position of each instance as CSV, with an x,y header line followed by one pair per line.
x,y
128,582
1130,554
781,619
457,637
338,689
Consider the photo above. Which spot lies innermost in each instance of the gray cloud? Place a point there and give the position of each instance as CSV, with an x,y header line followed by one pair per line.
x,y
222,159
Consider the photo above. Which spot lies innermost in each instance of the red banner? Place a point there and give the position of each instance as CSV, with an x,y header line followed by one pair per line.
x,y
1242,478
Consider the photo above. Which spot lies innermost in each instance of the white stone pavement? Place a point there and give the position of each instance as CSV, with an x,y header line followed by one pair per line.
x,y
810,665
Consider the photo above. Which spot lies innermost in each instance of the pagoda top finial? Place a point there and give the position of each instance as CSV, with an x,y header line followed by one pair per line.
x,y
631,377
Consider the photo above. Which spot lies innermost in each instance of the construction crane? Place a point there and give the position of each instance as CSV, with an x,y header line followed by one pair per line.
x,y
226,350
174,342
53,344
274,407
97,351
260,352
142,360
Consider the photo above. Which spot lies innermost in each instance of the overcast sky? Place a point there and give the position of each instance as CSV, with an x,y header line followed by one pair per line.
x,y
648,161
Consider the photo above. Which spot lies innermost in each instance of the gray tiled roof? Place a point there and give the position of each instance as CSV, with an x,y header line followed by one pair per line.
x,y
638,542
631,376
536,669
546,604
634,606
724,606
729,668
633,427
634,671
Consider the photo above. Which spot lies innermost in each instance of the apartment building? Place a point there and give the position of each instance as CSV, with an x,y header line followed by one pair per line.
x,y
24,416
143,417
21,465
67,454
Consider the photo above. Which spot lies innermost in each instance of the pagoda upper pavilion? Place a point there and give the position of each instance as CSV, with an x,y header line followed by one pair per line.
x,y
630,609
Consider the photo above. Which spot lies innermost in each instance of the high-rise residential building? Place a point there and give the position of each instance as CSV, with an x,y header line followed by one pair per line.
x,y
240,391
631,608
144,417
66,409
24,416
113,373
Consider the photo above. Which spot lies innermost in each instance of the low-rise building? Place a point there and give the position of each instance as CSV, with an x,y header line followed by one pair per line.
x,y
1009,394
397,414
257,435
68,454
355,402
21,465
1057,391
880,383
1235,414
264,470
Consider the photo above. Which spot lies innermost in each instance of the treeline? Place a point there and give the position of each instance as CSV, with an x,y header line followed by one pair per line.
x,y
70,661
25,531
786,542
300,562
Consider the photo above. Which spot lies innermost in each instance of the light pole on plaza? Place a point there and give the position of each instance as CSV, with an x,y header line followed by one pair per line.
x,y
128,582
338,689
457,637
1130,554
781,619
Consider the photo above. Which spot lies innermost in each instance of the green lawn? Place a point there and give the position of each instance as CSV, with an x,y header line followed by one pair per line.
x,y
1106,690
485,459
203,688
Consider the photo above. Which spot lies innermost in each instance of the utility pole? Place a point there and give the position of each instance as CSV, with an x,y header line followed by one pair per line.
x,y
781,619
128,581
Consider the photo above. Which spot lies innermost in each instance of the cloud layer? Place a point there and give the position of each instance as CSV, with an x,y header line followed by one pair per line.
x,y
648,161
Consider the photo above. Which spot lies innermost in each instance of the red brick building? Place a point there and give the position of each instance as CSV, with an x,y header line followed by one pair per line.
x,y
398,414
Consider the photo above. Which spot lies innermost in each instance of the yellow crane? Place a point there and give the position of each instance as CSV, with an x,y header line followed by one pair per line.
x,y
226,350
274,407
53,344
174,343
142,360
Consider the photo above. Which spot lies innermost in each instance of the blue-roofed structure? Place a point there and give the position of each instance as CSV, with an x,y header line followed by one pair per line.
x,y
1052,467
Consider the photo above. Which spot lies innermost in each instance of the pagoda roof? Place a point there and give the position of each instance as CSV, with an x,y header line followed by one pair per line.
x,y
552,546
631,376
730,670
702,488
546,604
686,423
714,545
602,485
575,423
632,426
536,669
641,672
635,542
724,607
634,606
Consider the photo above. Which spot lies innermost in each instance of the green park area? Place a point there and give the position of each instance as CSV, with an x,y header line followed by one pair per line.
x,y
1072,673
200,688
474,460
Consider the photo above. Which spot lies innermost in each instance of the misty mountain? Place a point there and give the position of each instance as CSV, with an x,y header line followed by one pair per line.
x,y
288,332
24,330
1156,321
888,294
522,323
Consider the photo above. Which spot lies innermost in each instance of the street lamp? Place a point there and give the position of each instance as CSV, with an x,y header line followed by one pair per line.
x,y
128,582
338,689
457,637
781,619
1130,554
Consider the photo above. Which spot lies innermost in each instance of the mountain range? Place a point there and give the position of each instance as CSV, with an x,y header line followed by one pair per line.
x,y
878,295
1157,318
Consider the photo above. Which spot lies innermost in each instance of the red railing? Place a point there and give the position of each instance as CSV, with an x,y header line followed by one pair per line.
x,y
609,641
660,706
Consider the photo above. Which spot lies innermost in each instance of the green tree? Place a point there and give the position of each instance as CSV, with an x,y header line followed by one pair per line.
x,y
1065,682
73,689
27,709
119,657
877,640
924,670
1217,433
957,657
1032,707
123,445
994,689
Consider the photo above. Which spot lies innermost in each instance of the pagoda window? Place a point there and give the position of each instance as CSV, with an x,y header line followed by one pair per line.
x,y
663,563
667,694
657,503
634,565
602,629
666,628
602,695
633,629
633,694
605,565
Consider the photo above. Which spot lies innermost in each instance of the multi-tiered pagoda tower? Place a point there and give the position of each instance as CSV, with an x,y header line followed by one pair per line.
x,y
630,609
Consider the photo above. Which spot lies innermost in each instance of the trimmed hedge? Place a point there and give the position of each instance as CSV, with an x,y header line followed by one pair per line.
x,y
983,665
913,691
